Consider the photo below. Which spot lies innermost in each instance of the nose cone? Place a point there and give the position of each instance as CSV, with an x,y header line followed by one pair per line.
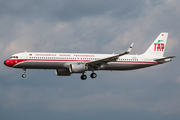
x,y
9,62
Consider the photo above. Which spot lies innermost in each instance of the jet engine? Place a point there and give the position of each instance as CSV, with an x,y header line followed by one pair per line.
x,y
62,72
77,68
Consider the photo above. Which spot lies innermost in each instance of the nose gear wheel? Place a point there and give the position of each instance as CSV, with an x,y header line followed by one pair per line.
x,y
24,73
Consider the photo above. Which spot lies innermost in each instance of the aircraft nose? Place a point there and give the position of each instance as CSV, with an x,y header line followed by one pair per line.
x,y
5,62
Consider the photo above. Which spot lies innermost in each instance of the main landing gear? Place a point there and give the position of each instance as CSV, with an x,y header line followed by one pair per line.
x,y
84,77
24,73
93,75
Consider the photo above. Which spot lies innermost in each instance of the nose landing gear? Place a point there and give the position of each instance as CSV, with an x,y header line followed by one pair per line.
x,y
24,73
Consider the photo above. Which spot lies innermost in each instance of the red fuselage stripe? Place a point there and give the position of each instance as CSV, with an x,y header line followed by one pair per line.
x,y
13,62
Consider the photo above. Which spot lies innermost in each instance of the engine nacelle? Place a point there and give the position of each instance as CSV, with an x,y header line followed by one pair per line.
x,y
77,68
62,72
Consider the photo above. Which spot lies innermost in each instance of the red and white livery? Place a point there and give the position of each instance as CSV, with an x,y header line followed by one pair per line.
x,y
67,63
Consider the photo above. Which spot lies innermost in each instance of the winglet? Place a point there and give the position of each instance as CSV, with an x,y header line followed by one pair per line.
x,y
129,49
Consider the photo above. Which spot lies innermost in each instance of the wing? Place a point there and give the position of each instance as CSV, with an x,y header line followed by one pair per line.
x,y
98,63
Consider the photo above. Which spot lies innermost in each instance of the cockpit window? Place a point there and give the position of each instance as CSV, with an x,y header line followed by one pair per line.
x,y
14,57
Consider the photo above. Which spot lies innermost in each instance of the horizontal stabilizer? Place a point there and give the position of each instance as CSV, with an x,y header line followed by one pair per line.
x,y
164,59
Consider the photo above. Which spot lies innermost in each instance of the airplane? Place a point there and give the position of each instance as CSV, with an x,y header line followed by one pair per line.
x,y
66,64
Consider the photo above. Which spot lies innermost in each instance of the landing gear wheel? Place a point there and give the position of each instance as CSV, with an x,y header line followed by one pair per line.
x,y
93,75
83,77
23,75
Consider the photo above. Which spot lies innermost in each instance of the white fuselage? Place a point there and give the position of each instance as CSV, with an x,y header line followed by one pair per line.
x,y
34,60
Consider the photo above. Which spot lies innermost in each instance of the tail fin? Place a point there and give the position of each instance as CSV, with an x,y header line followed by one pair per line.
x,y
157,48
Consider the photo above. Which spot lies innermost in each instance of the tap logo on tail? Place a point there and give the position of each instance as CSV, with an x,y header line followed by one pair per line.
x,y
159,46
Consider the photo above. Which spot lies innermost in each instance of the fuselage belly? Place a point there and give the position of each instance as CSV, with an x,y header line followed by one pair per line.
x,y
59,65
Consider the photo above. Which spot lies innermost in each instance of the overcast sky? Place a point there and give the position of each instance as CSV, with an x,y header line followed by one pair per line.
x,y
94,26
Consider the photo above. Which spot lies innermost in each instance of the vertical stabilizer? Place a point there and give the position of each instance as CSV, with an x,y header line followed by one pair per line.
x,y
157,48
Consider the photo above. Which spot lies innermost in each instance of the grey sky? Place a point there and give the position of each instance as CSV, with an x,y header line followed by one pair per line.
x,y
96,26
